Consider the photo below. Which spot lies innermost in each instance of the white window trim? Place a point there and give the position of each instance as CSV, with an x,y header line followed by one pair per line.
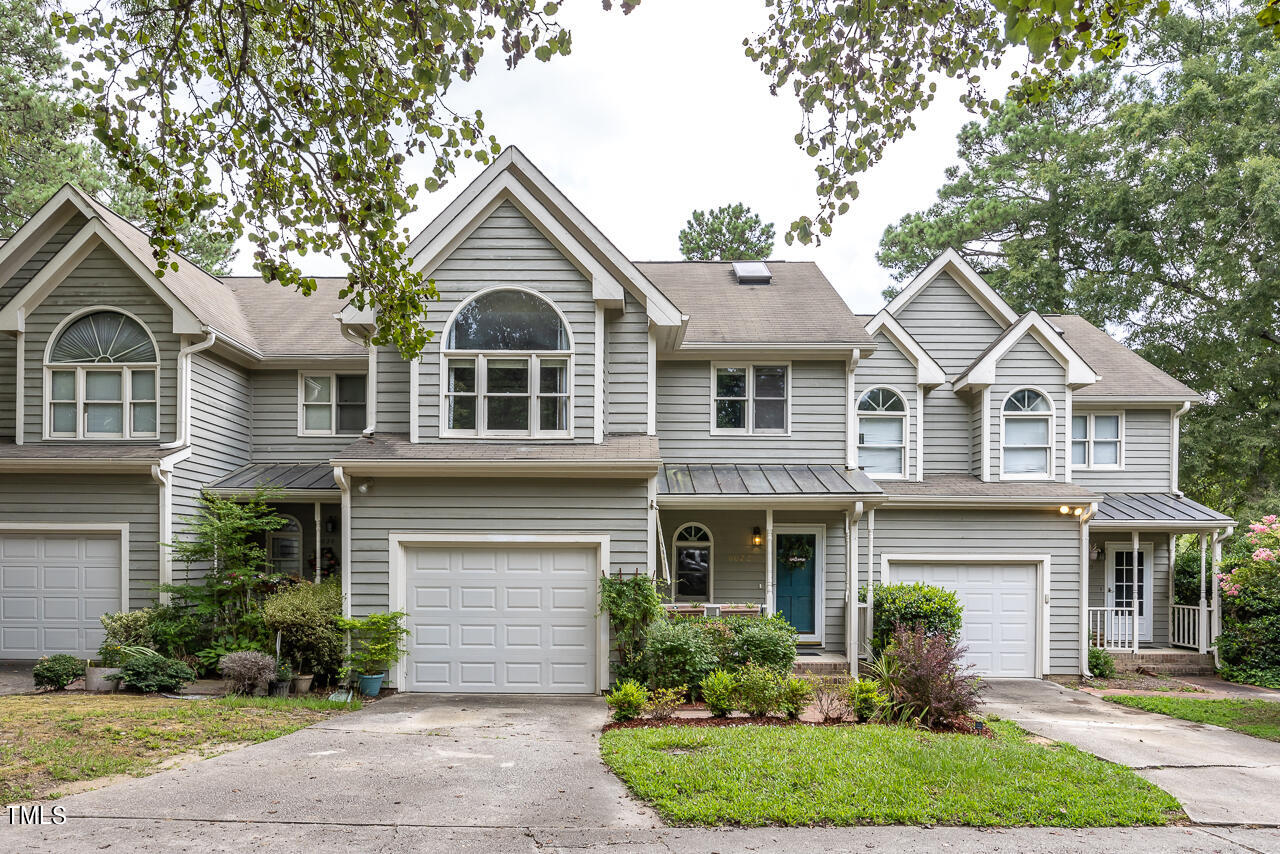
x,y
79,368
906,431
676,543
749,428
1089,439
1052,415
480,356
333,403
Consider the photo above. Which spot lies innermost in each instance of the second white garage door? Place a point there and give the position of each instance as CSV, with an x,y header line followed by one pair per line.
x,y
999,611
500,619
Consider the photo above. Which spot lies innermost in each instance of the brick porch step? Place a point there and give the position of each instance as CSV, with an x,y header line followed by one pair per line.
x,y
821,665
1171,663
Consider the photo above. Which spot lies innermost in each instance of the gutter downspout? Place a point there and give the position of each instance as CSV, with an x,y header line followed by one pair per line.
x,y
371,380
20,399
183,430
344,484
871,571
1174,442
852,520
1084,589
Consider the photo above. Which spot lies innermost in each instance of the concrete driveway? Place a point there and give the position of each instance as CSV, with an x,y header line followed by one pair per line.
x,y
1220,776
15,677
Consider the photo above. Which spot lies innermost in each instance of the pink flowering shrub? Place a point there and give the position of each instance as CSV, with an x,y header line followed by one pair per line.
x,y
1250,585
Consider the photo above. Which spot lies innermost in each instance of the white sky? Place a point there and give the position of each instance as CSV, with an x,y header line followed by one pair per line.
x,y
659,112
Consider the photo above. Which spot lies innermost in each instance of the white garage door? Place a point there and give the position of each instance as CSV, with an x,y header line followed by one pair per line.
x,y
999,611
501,619
53,589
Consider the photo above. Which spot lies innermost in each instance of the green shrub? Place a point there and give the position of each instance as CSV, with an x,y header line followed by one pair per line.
x,y
627,700
863,699
830,696
1101,663
794,696
933,609
307,617
122,629
153,674
769,642
632,604
759,691
719,690
924,680
176,632
57,672
663,702
679,652
377,641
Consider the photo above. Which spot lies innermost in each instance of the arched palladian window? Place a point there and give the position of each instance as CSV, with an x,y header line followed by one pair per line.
x,y
100,379
508,358
691,556
882,433
1027,446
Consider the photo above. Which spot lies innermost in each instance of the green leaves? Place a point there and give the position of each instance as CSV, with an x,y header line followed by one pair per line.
x,y
728,233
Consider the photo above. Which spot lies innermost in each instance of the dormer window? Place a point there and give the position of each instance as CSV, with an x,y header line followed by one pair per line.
x,y
882,433
1027,448
508,368
100,379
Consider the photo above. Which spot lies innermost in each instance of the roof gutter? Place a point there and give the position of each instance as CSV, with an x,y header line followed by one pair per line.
x,y
895,502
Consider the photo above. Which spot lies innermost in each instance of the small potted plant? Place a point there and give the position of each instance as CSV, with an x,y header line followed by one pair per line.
x,y
279,687
302,683
104,673
689,609
377,642
739,610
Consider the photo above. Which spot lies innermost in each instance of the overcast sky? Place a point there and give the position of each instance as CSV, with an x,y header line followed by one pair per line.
x,y
659,112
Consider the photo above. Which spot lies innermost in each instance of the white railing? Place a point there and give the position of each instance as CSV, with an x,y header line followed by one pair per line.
x,y
1113,628
1185,625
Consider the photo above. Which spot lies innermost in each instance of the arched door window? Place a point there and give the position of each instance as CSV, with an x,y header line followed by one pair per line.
x,y
100,379
882,433
1027,445
284,547
508,365
691,552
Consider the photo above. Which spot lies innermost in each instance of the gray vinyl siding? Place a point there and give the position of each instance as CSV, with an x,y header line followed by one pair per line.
x,y
275,422
947,433
887,366
95,498
1147,453
8,387
101,279
617,508
961,533
818,417
506,249
976,414
393,392
40,257
626,364
221,439
738,568
1162,590
949,324
1028,364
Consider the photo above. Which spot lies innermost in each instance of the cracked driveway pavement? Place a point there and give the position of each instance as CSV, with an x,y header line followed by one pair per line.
x,y
1220,776
482,774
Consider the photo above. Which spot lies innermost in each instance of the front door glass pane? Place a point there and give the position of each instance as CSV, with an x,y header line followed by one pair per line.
x,y
693,572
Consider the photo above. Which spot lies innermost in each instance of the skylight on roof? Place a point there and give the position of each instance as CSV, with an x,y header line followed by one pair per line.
x,y
752,272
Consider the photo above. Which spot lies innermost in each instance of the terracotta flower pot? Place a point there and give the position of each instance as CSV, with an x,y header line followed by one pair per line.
x,y
302,683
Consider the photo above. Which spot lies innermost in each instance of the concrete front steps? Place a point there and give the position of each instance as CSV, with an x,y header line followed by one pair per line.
x,y
1171,662
822,664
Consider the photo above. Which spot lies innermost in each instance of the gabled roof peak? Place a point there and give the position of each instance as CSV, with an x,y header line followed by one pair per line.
x,y
953,263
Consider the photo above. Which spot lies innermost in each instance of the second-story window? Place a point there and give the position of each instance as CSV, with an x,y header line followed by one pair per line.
x,y
508,368
332,404
1027,449
1095,441
750,399
882,433
100,379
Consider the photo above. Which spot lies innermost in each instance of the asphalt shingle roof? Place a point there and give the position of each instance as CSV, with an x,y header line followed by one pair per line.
x,y
397,447
1121,372
968,486
286,323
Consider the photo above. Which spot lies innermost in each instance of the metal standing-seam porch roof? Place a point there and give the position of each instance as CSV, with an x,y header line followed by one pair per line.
x,y
287,477
1118,509
728,479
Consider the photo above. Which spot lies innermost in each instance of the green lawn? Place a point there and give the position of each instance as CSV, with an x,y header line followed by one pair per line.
x,y
1260,718
803,775
49,740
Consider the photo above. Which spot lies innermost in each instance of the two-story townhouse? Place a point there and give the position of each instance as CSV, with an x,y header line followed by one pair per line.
x,y
733,429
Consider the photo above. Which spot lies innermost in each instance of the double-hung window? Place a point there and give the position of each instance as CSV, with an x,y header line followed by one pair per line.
x,y
508,368
1095,440
882,433
332,404
100,380
751,399
1027,447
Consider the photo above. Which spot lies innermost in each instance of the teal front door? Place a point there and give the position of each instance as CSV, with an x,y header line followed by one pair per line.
x,y
796,594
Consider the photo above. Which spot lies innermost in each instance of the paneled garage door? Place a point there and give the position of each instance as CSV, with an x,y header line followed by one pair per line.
x,y
498,619
999,611
53,589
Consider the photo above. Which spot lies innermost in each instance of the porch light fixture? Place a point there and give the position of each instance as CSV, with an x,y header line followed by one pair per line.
x,y
1079,511
757,539
1064,510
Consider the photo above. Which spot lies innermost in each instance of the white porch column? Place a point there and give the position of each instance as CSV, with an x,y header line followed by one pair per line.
x,y
1138,598
770,557
317,542
871,573
1202,635
1215,623
1173,563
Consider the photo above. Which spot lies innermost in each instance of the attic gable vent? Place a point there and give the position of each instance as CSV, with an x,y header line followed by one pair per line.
x,y
752,272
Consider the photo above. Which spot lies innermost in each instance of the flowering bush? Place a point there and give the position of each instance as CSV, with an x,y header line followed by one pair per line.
x,y
1250,583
